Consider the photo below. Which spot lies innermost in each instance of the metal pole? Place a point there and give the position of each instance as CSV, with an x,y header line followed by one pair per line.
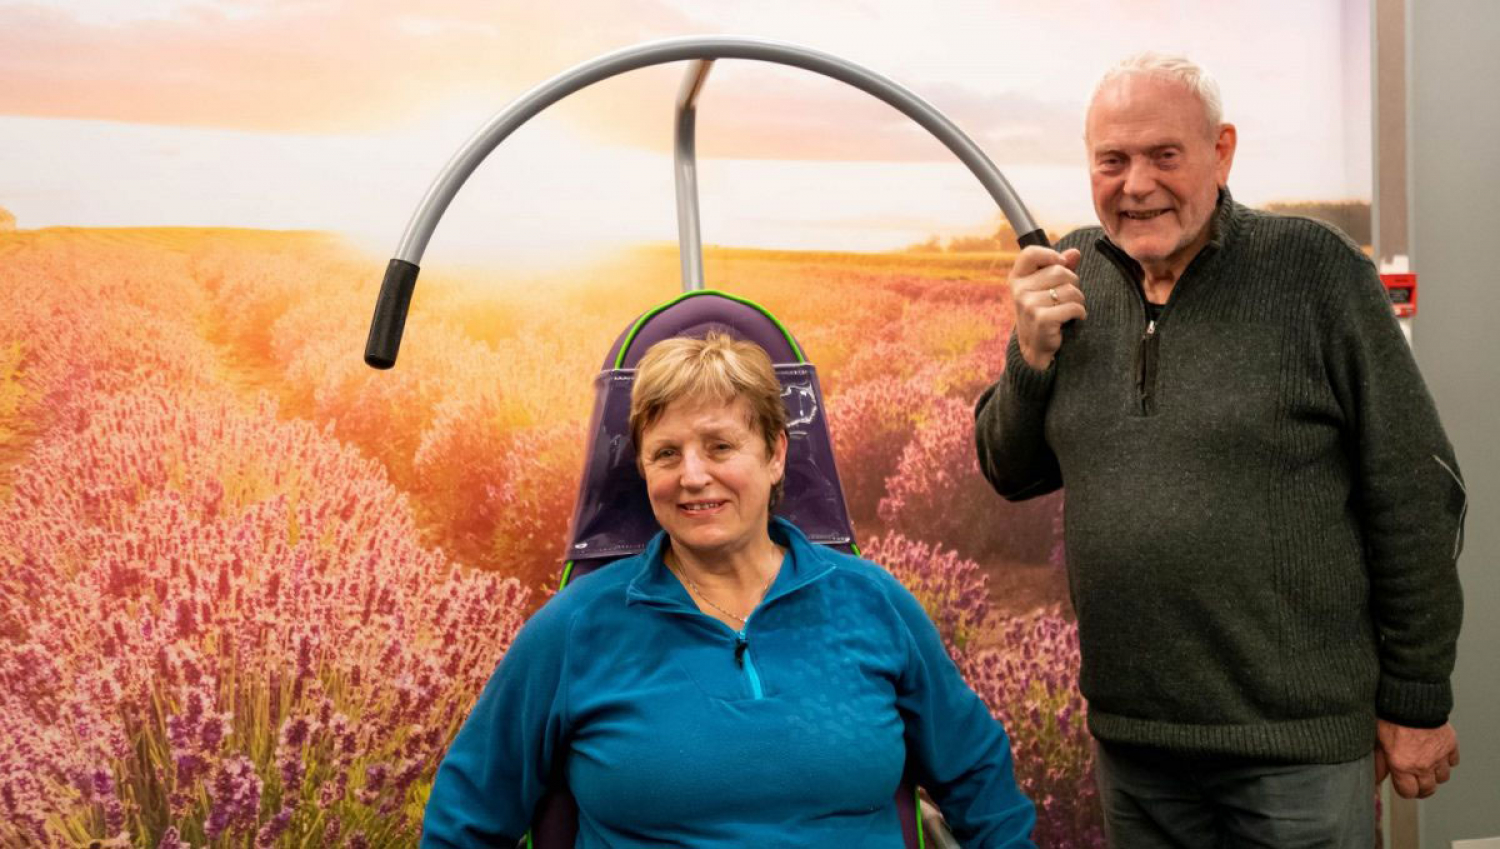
x,y
685,162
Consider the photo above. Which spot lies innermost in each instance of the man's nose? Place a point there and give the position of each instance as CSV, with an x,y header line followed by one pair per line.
x,y
1139,180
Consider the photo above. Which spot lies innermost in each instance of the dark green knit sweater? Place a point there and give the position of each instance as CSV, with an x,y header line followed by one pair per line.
x,y
1263,513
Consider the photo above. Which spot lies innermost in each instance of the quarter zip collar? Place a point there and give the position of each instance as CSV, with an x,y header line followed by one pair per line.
x,y
1223,228
655,585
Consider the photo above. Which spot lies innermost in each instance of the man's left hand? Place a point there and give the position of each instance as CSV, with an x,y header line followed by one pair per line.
x,y
1418,759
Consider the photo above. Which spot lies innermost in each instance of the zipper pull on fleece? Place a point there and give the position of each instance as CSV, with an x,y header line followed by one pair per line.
x,y
741,642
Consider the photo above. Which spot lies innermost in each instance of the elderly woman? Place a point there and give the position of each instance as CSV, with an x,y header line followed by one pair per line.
x,y
734,685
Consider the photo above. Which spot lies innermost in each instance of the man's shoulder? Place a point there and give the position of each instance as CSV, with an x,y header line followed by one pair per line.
x,y
1299,234
1311,256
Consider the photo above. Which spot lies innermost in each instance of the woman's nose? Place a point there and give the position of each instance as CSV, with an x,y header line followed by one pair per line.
x,y
694,469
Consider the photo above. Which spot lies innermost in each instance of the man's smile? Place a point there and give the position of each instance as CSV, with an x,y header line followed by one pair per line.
x,y
1142,215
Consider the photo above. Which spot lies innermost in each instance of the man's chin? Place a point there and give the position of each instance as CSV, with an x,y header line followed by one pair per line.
x,y
1147,250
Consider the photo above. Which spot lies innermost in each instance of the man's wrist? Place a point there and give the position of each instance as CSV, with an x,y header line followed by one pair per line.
x,y
1037,362
1421,725
1414,704
1023,378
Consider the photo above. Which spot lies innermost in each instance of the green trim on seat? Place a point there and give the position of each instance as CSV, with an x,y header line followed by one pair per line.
x,y
567,573
529,844
855,546
917,801
651,313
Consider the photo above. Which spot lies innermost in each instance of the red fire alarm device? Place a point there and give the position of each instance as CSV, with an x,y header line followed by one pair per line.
x,y
1403,291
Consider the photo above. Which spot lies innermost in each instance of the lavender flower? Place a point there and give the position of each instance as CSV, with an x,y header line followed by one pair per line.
x,y
236,796
273,829
331,831
289,760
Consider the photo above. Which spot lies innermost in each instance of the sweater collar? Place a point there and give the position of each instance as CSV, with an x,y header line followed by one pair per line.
x,y
1223,229
654,584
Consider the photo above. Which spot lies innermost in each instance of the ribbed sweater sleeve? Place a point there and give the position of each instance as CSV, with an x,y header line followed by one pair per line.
x,y
1411,499
1010,430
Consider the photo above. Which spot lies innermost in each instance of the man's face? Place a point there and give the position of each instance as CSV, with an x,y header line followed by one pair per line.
x,y
1156,168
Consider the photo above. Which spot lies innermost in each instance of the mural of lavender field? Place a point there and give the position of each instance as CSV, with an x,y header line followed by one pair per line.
x,y
250,594
250,588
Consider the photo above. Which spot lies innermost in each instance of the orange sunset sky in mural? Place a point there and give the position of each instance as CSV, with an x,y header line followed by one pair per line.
x,y
336,115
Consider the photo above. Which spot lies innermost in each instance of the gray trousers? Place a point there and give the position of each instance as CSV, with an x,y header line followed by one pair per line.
x,y
1155,799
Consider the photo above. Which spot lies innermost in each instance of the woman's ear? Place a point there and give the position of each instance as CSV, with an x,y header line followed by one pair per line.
x,y
778,457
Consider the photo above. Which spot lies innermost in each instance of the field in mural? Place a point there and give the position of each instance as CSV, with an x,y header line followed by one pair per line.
x,y
249,587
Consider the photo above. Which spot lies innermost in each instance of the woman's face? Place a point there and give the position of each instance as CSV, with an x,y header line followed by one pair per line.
x,y
709,475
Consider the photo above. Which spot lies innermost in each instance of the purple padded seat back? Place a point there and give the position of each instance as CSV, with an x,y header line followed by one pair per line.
x,y
612,518
697,313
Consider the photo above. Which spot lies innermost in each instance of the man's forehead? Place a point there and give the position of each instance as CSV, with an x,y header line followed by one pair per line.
x,y
1143,105
1135,137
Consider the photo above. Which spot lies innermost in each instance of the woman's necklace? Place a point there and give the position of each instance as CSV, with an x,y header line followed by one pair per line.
x,y
671,558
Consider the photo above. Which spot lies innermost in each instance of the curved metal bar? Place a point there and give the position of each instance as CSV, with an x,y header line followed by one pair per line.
x,y
685,170
389,321
445,187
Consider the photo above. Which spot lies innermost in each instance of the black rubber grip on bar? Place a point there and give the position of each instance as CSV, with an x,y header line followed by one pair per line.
x,y
1035,237
390,314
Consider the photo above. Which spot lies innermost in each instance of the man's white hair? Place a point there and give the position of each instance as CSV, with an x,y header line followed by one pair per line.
x,y
1172,67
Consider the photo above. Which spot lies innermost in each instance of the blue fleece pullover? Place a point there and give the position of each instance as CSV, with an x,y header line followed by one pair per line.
x,y
675,730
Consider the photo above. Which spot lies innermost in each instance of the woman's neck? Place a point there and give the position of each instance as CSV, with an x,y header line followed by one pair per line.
x,y
747,567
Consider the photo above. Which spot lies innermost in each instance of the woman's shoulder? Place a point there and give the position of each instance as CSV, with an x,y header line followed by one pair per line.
x,y
589,593
870,573
854,574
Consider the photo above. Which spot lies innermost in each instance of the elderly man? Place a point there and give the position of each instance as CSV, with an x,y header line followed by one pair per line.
x,y
1263,512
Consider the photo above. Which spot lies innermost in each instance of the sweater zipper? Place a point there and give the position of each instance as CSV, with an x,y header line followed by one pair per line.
x,y
746,662
1146,374
1147,349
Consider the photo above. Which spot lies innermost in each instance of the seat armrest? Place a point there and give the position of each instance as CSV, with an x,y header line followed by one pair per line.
x,y
935,833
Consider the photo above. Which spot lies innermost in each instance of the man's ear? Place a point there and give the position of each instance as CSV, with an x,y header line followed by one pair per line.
x,y
1224,149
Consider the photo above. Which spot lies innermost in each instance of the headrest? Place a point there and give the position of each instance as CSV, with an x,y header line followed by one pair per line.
x,y
697,314
613,519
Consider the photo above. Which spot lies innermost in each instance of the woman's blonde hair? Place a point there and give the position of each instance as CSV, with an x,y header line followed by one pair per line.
x,y
716,368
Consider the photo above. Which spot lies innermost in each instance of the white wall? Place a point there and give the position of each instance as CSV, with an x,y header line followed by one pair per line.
x,y
1455,181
